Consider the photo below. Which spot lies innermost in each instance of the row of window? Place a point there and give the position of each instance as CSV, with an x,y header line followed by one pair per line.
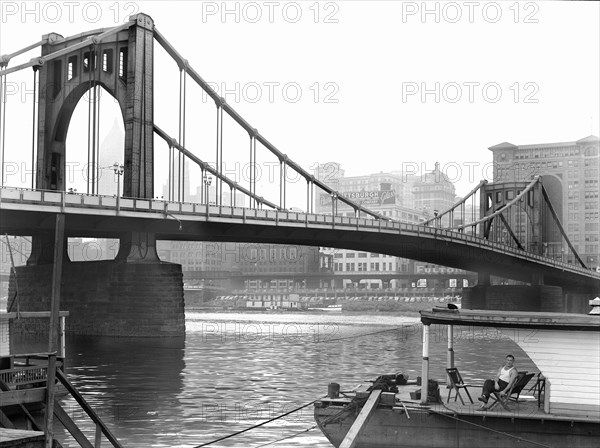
x,y
364,267
574,206
360,255
90,61
589,194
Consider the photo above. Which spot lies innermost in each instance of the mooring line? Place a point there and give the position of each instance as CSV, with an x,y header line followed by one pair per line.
x,y
520,439
255,426
287,437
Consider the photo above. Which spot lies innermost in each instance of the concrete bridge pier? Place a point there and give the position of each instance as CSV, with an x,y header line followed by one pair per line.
x,y
135,295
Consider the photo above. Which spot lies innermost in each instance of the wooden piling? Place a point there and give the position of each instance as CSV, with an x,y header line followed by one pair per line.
x,y
53,339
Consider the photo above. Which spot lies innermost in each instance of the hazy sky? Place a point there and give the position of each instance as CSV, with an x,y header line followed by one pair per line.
x,y
377,86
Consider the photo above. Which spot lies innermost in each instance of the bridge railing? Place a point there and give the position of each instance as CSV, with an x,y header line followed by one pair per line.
x,y
183,210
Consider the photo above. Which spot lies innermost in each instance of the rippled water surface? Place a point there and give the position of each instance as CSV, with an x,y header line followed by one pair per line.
x,y
236,370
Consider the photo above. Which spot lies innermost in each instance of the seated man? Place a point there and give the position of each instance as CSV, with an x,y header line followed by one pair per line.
x,y
502,383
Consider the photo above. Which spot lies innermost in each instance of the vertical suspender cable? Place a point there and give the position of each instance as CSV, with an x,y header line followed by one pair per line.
x,y
92,65
89,148
100,64
219,161
307,195
142,192
34,120
251,200
221,158
217,156
254,166
170,172
180,142
281,183
2,122
183,138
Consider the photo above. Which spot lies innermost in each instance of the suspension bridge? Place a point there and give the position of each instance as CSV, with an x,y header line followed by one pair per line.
x,y
517,234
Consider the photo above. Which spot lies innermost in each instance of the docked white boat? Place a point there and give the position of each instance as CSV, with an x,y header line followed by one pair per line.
x,y
565,413
335,308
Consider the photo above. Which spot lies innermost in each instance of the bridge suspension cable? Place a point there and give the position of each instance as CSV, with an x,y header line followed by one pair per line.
x,y
96,36
223,106
488,218
5,58
460,203
204,166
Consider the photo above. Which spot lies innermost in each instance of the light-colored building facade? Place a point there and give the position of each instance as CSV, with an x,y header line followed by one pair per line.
x,y
405,198
571,173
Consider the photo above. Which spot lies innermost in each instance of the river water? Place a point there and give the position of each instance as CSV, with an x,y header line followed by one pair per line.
x,y
236,370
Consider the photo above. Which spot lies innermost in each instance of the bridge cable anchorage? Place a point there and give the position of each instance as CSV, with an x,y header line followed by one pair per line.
x,y
259,424
223,105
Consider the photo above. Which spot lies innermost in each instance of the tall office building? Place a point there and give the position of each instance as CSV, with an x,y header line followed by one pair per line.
x,y
433,191
570,172
111,151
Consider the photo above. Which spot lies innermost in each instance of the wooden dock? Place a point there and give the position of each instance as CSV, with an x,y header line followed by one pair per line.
x,y
21,438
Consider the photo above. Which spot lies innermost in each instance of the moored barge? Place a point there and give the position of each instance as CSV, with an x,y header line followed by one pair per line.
x,y
566,411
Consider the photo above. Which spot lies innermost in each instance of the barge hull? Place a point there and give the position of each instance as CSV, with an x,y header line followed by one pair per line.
x,y
391,428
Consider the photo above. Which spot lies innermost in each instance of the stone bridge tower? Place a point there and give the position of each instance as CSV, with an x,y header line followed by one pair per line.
x,y
136,294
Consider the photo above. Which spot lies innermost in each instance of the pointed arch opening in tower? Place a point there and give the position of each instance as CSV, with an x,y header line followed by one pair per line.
x,y
95,142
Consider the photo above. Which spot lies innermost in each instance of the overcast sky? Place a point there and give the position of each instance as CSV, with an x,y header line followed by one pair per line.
x,y
376,86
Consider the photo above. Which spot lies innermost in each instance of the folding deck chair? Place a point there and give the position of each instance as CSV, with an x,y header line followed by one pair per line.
x,y
457,383
520,382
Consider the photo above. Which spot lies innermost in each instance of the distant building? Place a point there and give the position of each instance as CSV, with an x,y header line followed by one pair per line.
x,y
390,193
256,266
402,197
433,191
570,172
191,255
111,151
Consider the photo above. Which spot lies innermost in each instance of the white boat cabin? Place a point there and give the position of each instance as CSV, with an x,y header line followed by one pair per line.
x,y
565,348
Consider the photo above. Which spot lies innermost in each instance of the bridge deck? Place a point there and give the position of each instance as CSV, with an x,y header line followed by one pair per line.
x,y
26,212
